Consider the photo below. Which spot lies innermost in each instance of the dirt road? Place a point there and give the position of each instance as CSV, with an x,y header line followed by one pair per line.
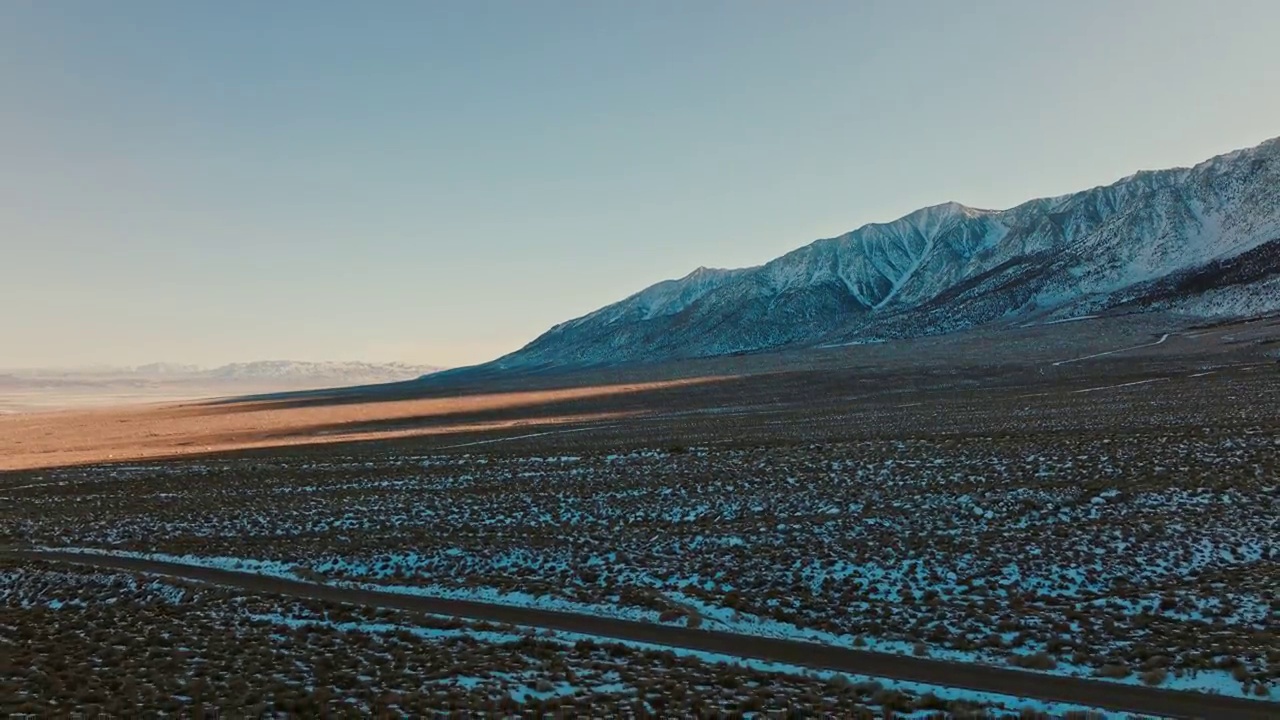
x,y
1123,698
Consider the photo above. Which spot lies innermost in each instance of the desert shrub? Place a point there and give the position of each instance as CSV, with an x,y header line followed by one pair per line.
x,y
695,619
1113,671
868,688
1155,677
892,700
1039,661
929,701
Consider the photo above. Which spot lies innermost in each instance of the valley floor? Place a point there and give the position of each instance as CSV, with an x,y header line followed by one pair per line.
x,y
1093,503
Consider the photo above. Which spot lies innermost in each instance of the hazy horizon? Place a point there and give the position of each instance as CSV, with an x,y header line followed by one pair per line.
x,y
197,367
437,184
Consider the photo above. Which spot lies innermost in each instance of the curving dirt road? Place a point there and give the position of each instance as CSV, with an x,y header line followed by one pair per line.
x,y
1122,698
1161,341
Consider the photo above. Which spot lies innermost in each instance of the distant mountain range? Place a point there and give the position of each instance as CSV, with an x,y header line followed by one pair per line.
x,y
1203,241
263,371
30,389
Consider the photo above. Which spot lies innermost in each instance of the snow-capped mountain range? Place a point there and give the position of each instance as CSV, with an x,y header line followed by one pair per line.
x,y
1203,240
363,371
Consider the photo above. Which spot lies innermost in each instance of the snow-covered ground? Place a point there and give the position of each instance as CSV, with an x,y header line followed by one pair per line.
x,y
713,618
1068,556
993,700
446,662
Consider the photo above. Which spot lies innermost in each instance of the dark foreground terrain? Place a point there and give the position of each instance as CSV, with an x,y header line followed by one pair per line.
x,y
1085,513
994,684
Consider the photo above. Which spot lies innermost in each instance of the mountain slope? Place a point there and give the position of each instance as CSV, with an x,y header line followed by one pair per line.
x,y
1156,239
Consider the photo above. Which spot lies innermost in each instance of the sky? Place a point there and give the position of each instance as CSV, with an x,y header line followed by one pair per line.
x,y
439,182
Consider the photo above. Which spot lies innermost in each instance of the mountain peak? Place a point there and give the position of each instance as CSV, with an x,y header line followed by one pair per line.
x,y
702,271
950,207
935,217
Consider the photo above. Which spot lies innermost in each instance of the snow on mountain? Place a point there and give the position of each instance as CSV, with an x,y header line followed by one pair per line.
x,y
1202,240
353,371
165,369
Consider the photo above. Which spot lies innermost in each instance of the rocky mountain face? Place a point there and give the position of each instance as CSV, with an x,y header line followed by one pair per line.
x,y
1203,240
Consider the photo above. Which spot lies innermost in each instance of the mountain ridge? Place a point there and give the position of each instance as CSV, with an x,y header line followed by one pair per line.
x,y
950,266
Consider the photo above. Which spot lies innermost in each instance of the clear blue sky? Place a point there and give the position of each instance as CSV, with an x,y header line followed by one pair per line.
x,y
440,181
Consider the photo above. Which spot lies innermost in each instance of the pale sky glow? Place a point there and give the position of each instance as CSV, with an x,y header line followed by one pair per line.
x,y
439,182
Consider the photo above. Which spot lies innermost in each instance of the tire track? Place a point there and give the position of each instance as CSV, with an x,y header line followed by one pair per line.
x,y
1161,341
968,676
